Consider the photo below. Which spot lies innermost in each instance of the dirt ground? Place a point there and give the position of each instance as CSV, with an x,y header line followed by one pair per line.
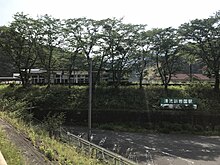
x,y
32,155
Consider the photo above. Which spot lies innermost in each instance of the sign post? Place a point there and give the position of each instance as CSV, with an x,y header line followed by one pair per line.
x,y
90,101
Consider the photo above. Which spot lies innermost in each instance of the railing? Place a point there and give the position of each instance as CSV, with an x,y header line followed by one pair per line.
x,y
91,149
94,150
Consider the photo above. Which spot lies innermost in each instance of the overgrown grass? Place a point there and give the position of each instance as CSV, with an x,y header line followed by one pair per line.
x,y
54,150
11,154
129,98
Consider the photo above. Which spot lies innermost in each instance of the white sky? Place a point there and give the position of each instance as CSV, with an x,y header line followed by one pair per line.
x,y
154,13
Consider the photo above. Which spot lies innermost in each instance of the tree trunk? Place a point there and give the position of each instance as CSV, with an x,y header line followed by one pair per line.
x,y
141,80
190,72
49,67
166,82
217,77
98,75
22,79
166,89
48,78
69,78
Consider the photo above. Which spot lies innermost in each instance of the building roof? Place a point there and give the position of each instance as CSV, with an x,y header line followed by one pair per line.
x,y
37,71
201,77
186,77
180,77
8,78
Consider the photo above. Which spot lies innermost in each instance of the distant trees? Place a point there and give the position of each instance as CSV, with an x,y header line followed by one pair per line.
x,y
114,46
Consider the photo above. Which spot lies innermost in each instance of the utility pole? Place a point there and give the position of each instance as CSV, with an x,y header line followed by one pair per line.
x,y
90,101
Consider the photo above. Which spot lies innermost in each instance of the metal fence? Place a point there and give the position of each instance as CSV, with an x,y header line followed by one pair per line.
x,y
94,150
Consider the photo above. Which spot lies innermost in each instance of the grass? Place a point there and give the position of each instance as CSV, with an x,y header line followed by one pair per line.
x,y
55,151
127,99
11,154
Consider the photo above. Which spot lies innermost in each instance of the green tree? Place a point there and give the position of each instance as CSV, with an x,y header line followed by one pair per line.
x,y
119,45
6,67
110,41
204,34
130,45
73,48
141,56
190,57
85,34
165,49
49,30
19,42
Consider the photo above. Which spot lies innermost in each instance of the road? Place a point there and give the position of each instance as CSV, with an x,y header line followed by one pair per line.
x,y
158,149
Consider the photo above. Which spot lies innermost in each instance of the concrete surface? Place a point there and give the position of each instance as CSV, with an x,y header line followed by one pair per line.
x,y
158,149
2,159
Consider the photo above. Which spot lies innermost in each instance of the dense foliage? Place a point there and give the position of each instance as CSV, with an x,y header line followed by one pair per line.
x,y
120,48
109,98
130,107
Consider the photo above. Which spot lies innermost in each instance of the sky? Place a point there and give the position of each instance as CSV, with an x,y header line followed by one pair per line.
x,y
154,13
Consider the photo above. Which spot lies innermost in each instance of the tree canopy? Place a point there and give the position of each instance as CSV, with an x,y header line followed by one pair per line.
x,y
116,47
204,37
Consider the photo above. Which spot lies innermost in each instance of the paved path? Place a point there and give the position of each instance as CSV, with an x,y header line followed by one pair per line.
x,y
159,149
2,159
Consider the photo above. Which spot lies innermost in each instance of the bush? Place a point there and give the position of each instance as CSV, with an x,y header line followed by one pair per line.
x,y
17,108
126,99
53,122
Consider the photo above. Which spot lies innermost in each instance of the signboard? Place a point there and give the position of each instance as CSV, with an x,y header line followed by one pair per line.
x,y
174,103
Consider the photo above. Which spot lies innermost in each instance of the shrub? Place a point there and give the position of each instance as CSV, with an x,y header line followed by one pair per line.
x,y
53,122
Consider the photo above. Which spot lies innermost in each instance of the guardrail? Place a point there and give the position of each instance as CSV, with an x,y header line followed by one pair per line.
x,y
91,149
94,150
